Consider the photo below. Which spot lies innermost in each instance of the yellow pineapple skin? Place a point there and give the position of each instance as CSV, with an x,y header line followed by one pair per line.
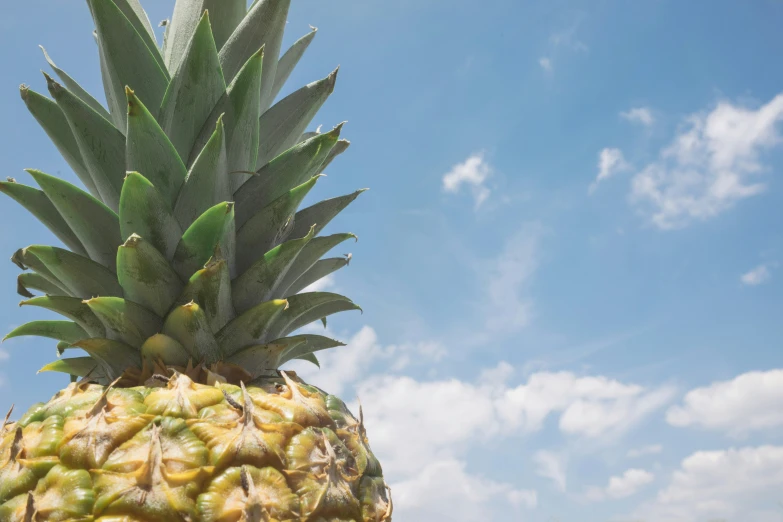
x,y
277,451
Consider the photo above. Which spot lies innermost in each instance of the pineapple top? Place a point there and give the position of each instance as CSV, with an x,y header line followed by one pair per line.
x,y
186,247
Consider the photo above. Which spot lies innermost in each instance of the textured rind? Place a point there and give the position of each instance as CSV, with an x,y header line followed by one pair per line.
x,y
280,450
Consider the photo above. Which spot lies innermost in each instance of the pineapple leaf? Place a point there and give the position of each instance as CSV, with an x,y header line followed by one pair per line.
x,y
73,308
135,14
39,205
318,271
309,344
66,331
113,357
283,124
244,111
73,86
310,254
321,213
226,16
82,276
263,26
288,170
96,225
195,89
32,280
143,211
150,152
128,55
309,357
25,260
214,229
101,145
340,147
51,118
210,287
259,359
270,226
146,277
164,348
250,327
115,100
125,320
207,182
306,308
262,280
79,366
289,61
188,325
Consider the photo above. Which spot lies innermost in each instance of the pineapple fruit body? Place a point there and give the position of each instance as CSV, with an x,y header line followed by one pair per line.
x,y
182,280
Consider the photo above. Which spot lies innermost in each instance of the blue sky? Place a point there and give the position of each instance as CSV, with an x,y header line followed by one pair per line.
x,y
569,261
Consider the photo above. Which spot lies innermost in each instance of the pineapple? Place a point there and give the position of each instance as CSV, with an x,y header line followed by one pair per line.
x,y
182,286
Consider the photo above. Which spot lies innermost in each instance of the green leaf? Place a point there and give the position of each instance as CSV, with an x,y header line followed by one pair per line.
x,y
128,55
188,325
34,281
263,26
115,101
135,14
260,359
164,348
306,308
51,118
150,152
194,91
261,282
214,229
244,111
38,204
289,60
210,288
95,224
67,331
226,16
125,320
283,124
101,145
146,277
79,366
270,226
73,86
82,276
113,357
320,269
251,327
207,182
321,214
309,357
339,148
309,344
24,260
143,211
309,255
73,308
290,169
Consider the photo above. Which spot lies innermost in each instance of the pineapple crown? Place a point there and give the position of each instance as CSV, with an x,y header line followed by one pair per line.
x,y
186,249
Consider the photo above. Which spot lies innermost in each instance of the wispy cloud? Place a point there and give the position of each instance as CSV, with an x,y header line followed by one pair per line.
x,y
760,274
621,486
553,466
473,173
559,41
652,449
610,162
545,63
747,403
641,115
711,164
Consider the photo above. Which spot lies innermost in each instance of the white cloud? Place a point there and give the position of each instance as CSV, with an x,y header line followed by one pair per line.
x,y
653,449
508,276
757,276
709,166
323,284
545,63
610,162
733,485
642,115
4,356
553,466
444,491
621,486
473,172
749,402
